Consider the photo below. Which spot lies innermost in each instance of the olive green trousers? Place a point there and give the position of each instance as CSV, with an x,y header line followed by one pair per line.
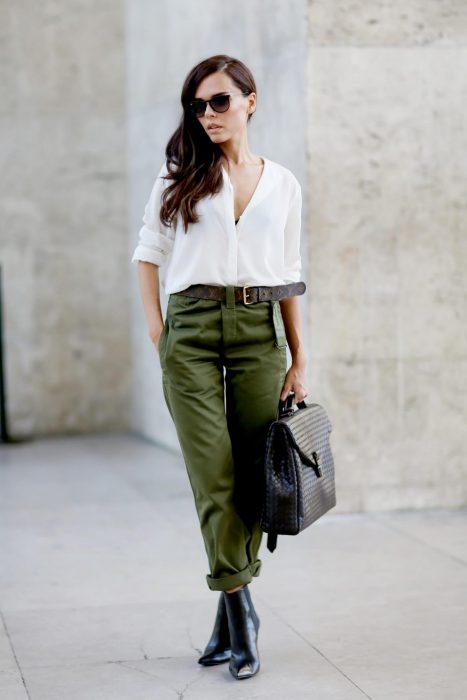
x,y
223,369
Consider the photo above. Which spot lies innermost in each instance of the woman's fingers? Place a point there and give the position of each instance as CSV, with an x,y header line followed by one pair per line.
x,y
295,384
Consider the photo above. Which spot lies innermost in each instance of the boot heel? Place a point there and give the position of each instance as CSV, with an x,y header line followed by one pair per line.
x,y
255,616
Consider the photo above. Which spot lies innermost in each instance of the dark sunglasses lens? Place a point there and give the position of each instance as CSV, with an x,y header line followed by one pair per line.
x,y
220,103
198,107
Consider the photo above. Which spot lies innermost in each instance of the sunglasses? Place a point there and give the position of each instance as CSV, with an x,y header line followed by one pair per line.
x,y
219,103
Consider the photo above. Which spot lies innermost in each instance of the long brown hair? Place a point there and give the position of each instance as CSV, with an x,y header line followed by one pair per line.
x,y
193,160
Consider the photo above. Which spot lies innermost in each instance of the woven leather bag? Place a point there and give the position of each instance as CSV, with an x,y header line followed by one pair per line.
x,y
299,485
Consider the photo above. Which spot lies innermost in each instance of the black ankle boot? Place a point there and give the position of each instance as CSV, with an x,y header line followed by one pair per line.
x,y
243,628
218,648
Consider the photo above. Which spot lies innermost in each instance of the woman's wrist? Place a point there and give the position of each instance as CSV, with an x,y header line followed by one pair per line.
x,y
299,358
155,329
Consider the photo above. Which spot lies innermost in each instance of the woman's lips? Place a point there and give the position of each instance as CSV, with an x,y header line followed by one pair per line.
x,y
214,128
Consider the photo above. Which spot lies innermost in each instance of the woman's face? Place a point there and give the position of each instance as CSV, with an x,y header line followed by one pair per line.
x,y
234,120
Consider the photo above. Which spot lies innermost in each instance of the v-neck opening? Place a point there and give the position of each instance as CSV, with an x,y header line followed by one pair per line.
x,y
236,221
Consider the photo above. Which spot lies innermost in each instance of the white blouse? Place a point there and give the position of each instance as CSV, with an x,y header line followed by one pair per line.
x,y
263,248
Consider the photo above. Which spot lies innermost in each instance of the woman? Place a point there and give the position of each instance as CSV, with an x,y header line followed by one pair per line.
x,y
227,223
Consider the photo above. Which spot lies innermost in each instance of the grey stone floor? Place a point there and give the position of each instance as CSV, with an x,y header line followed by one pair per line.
x,y
103,592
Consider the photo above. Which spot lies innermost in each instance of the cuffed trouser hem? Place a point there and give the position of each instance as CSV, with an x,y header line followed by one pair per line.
x,y
224,583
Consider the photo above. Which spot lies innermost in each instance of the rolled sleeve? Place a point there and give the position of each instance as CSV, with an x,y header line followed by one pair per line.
x,y
292,256
155,241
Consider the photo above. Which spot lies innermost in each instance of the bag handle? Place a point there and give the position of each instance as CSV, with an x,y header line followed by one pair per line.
x,y
287,406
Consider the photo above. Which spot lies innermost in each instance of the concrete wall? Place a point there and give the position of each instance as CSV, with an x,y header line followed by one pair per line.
x,y
387,135
161,51
63,203
364,101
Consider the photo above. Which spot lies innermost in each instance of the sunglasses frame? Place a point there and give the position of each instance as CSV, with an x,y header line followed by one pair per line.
x,y
192,104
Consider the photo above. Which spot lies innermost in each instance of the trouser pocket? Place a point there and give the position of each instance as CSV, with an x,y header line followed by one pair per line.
x,y
162,341
279,328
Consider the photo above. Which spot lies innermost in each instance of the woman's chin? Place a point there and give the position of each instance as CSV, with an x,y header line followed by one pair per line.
x,y
216,136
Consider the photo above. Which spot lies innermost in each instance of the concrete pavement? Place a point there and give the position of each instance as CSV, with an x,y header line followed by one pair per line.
x,y
103,592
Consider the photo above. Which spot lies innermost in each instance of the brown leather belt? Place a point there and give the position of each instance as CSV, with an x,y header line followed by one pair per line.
x,y
246,294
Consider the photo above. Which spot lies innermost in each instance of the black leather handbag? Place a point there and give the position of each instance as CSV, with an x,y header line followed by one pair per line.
x,y
298,481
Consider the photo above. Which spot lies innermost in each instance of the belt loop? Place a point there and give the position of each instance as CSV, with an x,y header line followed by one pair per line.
x,y
230,296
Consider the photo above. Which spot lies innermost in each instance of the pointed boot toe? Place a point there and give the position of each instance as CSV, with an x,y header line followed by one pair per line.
x,y
245,671
217,650
243,627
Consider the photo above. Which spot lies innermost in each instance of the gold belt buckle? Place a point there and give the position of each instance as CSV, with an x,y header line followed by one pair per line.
x,y
244,295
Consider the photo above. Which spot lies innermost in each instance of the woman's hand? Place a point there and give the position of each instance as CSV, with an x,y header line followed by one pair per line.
x,y
295,380
155,333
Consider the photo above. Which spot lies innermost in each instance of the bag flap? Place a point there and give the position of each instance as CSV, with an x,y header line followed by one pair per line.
x,y
307,429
